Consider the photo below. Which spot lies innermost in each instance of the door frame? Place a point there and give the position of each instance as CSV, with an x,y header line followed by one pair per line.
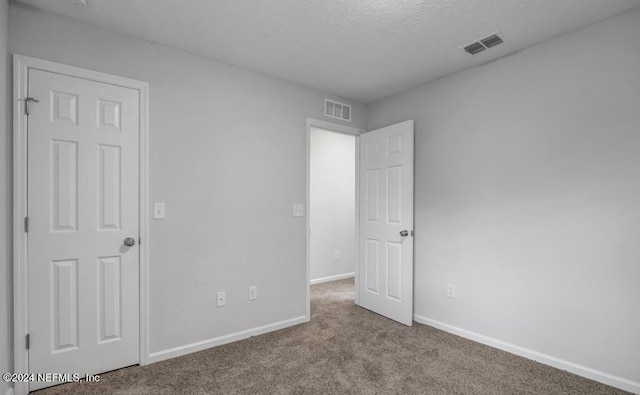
x,y
21,66
337,128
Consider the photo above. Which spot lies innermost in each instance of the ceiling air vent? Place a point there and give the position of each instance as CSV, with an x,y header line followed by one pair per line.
x,y
483,44
337,110
474,48
491,41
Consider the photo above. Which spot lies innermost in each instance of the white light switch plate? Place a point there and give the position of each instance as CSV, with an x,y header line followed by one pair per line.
x,y
298,210
158,210
221,299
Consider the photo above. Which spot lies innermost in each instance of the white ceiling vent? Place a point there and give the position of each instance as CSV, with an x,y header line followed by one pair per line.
x,y
337,110
483,44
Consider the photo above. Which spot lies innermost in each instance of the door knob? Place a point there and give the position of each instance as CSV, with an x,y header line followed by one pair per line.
x,y
129,241
404,233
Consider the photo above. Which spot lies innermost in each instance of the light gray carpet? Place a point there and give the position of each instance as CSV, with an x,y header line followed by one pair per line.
x,y
343,350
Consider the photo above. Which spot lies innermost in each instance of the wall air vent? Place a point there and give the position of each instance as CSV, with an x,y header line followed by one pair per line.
x,y
337,110
483,44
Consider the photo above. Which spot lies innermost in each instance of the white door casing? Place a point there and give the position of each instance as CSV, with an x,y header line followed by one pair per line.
x,y
83,169
386,209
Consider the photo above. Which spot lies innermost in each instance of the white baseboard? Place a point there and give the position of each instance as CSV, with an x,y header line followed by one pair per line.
x,y
574,368
331,278
218,341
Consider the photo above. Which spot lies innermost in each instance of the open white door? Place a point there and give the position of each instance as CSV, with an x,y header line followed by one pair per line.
x,y
386,222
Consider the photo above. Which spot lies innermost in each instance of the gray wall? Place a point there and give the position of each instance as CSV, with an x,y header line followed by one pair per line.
x,y
332,203
228,159
6,318
527,194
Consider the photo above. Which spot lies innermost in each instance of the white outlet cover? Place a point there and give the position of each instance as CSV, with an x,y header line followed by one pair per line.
x,y
253,293
298,210
451,290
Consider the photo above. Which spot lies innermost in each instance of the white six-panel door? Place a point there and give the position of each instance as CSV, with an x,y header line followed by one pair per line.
x,y
82,204
386,214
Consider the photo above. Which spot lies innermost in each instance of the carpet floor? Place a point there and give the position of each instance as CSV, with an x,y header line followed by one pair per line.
x,y
343,350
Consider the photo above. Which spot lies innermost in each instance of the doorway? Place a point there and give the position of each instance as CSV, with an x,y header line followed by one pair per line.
x,y
331,146
332,205
383,218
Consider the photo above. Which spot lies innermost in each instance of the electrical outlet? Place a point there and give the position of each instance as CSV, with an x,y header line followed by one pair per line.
x,y
451,291
221,299
298,210
253,293
336,255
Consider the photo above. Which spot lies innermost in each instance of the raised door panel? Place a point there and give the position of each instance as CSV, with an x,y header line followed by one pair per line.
x,y
109,302
394,271
64,300
64,185
372,199
64,108
109,114
394,144
394,195
109,187
372,265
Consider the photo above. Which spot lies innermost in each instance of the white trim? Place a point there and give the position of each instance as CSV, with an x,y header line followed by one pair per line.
x,y
218,341
334,127
21,65
356,237
331,278
571,367
20,291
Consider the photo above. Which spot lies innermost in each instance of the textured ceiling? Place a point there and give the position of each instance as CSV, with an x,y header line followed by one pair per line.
x,y
359,49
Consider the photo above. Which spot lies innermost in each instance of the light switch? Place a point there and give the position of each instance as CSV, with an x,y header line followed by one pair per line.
x,y
298,210
158,210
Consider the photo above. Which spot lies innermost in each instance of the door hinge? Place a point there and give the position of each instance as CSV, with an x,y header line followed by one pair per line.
x,y
27,341
26,103
411,233
26,224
